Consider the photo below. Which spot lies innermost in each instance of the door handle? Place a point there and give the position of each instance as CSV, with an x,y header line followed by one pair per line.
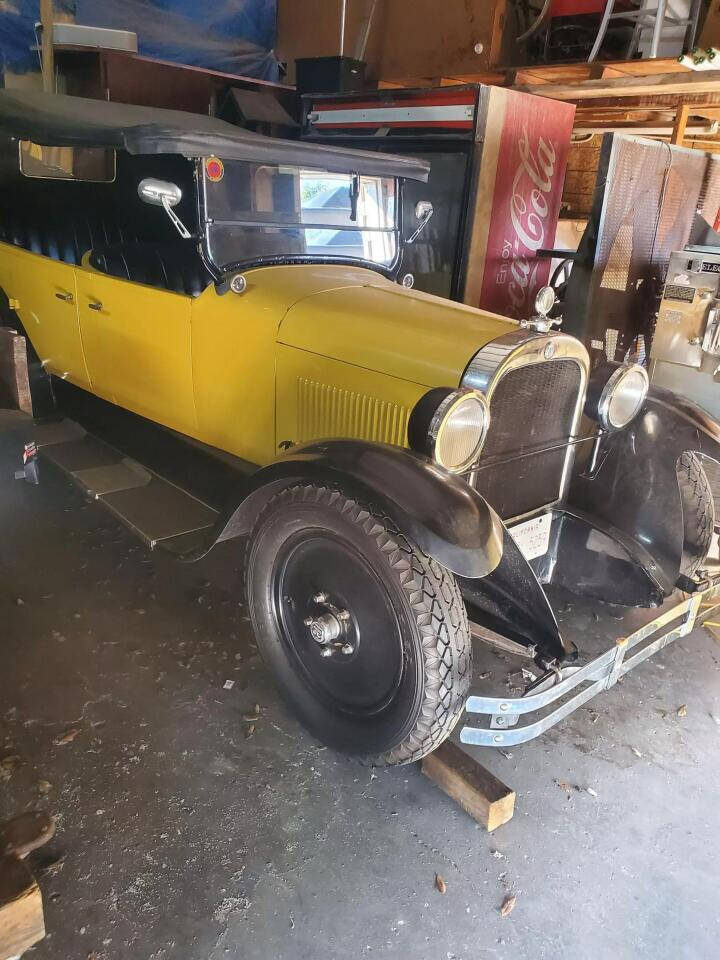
x,y
95,305
67,297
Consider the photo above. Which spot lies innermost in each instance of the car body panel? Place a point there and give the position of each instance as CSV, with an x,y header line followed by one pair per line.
x,y
384,327
35,284
235,385
137,347
318,397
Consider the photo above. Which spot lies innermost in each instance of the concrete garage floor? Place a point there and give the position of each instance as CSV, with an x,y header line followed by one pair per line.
x,y
178,837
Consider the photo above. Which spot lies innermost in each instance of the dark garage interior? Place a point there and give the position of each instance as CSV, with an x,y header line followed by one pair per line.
x,y
359,461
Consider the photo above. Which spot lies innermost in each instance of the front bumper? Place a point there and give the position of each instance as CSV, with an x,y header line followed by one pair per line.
x,y
555,695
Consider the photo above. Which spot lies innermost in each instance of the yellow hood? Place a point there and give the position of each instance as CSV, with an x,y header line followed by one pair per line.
x,y
368,321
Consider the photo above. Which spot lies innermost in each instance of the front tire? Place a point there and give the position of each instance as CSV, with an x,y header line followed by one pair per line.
x,y
698,511
366,635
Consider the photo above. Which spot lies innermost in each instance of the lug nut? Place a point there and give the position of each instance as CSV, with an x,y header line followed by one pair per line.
x,y
347,649
320,598
343,614
308,621
326,652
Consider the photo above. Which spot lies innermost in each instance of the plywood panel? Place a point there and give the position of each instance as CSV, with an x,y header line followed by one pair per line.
x,y
423,38
580,177
311,28
409,38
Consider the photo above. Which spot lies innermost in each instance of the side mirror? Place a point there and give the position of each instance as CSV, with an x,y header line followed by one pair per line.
x,y
423,211
162,193
158,192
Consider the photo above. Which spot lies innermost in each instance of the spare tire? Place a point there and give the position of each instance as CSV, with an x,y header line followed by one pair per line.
x,y
698,510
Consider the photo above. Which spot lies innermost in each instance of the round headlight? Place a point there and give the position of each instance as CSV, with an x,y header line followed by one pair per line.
x,y
616,395
450,426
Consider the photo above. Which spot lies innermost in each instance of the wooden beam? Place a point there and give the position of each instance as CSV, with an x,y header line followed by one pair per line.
x,y
21,911
48,57
496,32
14,379
408,83
601,71
709,113
681,119
474,788
684,84
649,103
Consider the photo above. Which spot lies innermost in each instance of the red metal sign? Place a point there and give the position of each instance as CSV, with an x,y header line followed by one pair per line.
x,y
531,162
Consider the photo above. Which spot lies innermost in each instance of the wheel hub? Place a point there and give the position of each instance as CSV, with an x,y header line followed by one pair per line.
x,y
328,628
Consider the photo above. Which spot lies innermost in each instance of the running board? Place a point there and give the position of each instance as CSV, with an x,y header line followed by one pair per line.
x,y
159,512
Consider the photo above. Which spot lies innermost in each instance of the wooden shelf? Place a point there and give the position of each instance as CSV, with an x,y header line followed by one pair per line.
x,y
551,74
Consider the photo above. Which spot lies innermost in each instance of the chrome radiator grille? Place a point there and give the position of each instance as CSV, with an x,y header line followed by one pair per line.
x,y
532,414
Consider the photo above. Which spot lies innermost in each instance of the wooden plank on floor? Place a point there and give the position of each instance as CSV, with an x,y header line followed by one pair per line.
x,y
488,800
21,911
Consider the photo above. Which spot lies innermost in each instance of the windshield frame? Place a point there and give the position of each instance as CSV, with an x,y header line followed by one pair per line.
x,y
205,223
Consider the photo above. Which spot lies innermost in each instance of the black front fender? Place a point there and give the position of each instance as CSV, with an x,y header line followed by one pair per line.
x,y
635,488
445,516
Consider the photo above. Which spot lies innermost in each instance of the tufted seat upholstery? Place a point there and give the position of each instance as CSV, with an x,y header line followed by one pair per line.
x,y
67,239
172,266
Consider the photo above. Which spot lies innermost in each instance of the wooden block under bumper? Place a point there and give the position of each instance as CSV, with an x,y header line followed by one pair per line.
x,y
474,788
21,912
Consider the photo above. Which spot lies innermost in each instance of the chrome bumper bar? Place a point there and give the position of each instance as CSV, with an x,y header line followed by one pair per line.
x,y
507,713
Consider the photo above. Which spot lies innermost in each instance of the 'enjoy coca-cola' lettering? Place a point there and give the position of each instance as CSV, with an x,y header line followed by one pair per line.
x,y
529,209
530,159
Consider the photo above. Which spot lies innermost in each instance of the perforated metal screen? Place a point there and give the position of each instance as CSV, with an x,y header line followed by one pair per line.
x,y
646,198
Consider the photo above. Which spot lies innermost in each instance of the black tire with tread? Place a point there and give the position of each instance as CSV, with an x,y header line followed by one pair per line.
x,y
433,603
698,511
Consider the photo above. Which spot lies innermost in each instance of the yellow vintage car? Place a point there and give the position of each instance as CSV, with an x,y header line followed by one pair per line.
x,y
426,472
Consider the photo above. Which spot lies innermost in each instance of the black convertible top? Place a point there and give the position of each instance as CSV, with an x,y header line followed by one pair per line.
x,y
58,120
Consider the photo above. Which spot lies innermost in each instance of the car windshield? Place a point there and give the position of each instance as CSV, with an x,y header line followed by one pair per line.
x,y
257,211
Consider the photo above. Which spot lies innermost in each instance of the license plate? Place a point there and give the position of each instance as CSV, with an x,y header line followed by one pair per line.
x,y
533,536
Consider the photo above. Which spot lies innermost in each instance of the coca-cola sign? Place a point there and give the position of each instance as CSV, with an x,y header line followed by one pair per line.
x,y
526,201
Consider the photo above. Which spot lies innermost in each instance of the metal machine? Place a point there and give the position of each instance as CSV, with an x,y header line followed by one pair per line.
x,y
685,353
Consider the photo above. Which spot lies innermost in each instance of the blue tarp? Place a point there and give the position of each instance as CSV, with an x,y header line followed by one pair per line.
x,y
17,32
234,36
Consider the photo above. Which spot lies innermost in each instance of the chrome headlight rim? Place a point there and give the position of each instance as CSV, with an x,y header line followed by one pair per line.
x,y
610,392
427,437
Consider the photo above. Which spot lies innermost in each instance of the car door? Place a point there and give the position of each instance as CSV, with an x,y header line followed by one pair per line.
x,y
44,296
137,347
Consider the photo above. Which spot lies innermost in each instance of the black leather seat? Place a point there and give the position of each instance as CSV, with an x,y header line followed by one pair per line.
x,y
172,266
66,239
115,250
